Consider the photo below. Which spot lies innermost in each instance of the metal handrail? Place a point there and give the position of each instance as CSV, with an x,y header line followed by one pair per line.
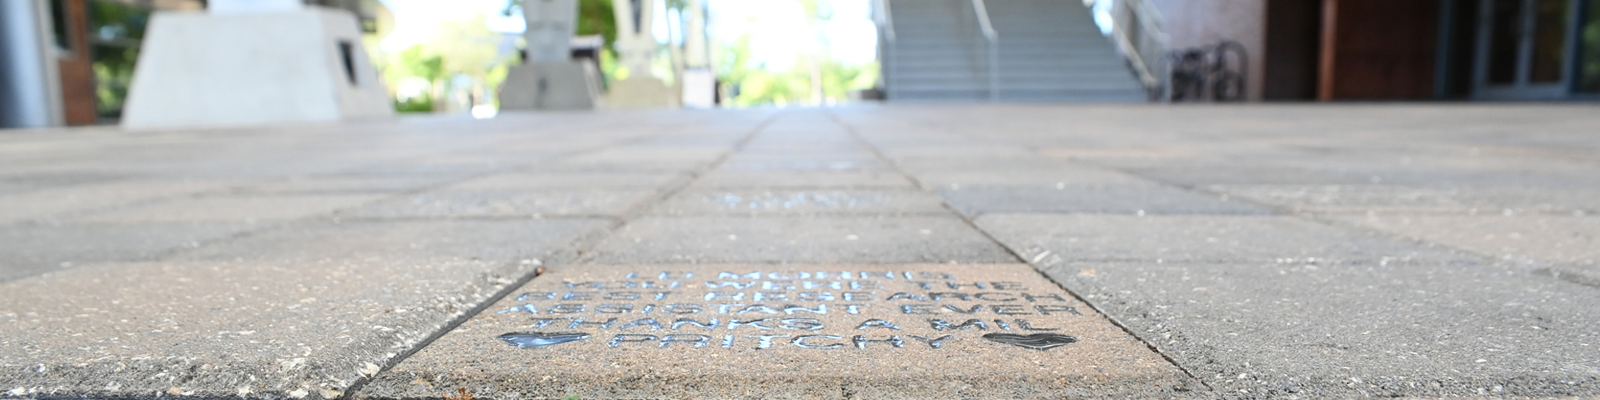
x,y
886,23
1136,27
981,9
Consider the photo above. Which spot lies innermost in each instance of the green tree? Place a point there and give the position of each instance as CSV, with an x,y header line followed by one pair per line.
x,y
814,79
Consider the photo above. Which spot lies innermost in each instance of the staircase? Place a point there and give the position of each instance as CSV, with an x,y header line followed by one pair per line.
x,y
1047,51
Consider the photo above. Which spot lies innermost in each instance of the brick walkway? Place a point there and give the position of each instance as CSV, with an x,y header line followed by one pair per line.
x,y
874,252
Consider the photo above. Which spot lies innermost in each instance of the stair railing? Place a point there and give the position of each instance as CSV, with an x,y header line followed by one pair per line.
x,y
1137,32
886,45
992,45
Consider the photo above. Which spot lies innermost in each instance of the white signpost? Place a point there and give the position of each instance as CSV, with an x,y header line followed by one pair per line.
x,y
252,62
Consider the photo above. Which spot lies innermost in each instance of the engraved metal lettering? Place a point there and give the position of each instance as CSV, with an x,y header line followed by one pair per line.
x,y
1010,309
877,323
709,324
697,340
764,341
577,322
1002,324
861,341
800,341
527,308
1035,297
939,325
905,296
790,309
1037,341
621,308
1046,310
537,296
1025,325
937,343
800,324
735,323
534,340
762,308
629,338
683,308
650,322
579,296
567,309
816,296
972,310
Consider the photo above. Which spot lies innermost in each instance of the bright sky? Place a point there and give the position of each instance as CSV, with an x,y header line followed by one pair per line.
x,y
777,28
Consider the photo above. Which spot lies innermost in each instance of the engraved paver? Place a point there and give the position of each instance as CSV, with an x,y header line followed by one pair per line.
x,y
786,331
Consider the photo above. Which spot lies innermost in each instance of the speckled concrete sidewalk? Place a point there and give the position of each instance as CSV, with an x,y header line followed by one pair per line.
x,y
1025,251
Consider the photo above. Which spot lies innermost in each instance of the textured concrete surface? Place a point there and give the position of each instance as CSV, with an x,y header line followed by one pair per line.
x,y
1214,252
901,331
803,202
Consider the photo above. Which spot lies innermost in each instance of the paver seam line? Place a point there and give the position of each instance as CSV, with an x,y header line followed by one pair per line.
x,y
578,255
1018,256
641,207
1316,218
792,214
584,240
333,215
482,218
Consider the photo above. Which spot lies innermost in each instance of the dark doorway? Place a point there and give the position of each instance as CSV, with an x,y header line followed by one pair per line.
x,y
1294,34
1379,49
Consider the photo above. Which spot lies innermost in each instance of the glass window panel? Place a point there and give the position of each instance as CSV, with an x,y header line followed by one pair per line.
x,y
1505,36
1589,49
115,31
1549,41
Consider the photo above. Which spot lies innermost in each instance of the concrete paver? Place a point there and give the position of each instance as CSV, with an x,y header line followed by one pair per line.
x,y
509,203
31,249
1198,238
533,180
819,239
287,314
756,202
1117,199
786,331
250,209
57,202
804,179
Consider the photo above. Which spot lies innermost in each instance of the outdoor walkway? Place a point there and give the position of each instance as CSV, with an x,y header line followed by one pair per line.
x,y
1025,251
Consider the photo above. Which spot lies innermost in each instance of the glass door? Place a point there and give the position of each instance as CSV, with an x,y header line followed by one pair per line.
x,y
1524,49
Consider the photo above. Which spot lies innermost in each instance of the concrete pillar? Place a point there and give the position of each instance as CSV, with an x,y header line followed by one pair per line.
x,y
269,62
696,53
30,92
225,7
699,81
548,79
550,27
636,48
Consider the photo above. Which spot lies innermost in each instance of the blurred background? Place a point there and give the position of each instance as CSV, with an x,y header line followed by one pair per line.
x,y
72,61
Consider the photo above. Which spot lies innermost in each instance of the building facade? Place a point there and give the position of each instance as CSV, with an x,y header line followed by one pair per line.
x,y
1490,50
